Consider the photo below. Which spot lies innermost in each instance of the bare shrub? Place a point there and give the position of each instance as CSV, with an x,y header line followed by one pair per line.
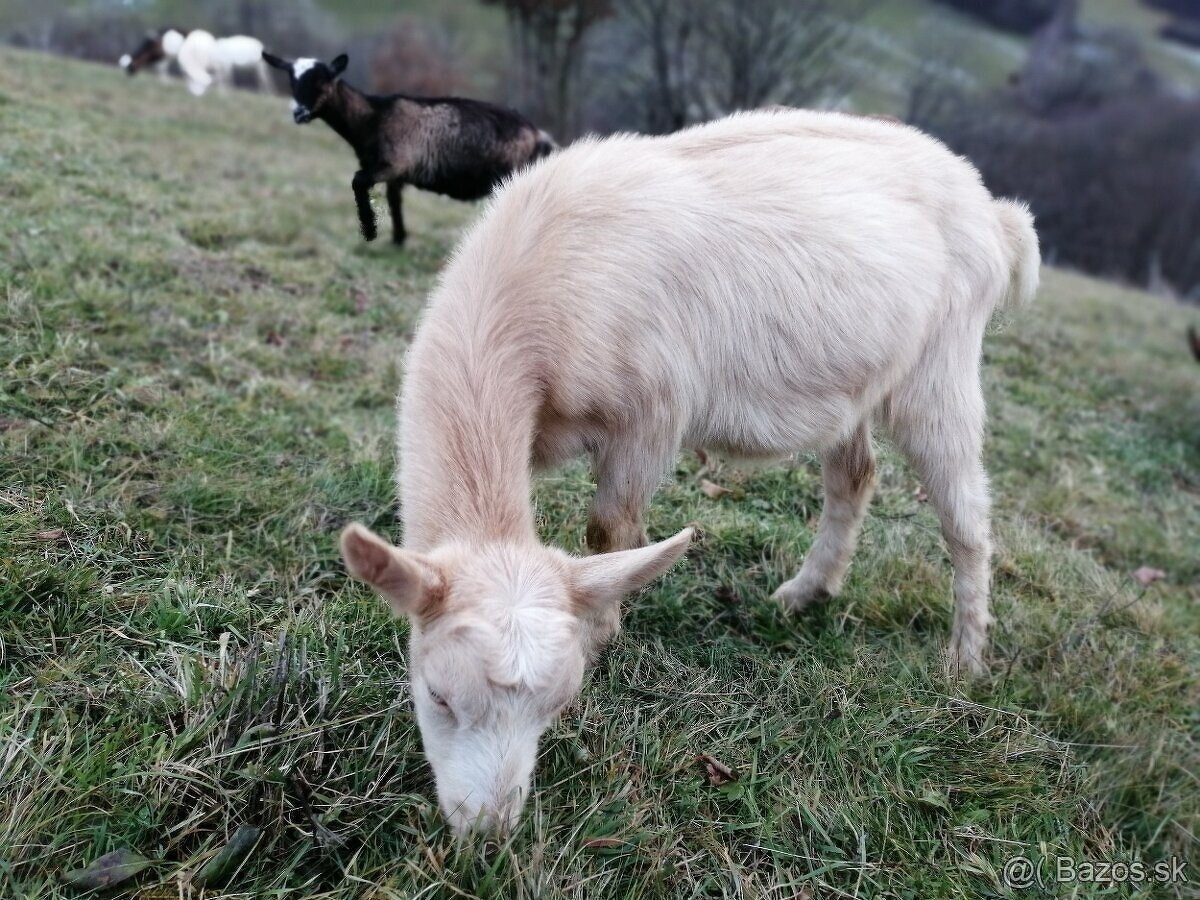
x,y
665,65
419,57
547,46
99,35
1182,31
1187,9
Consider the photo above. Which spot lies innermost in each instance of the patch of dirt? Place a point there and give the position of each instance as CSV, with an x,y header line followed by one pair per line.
x,y
223,277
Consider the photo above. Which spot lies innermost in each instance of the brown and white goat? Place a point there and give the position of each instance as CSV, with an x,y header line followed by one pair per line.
x,y
758,285
203,59
449,145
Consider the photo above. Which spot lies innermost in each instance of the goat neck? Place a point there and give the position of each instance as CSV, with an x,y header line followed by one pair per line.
x,y
468,415
349,112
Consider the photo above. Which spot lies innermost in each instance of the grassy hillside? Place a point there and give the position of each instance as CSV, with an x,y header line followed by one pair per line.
x,y
198,359
900,37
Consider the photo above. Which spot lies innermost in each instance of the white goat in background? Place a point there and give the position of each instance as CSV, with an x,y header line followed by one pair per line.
x,y
758,285
204,59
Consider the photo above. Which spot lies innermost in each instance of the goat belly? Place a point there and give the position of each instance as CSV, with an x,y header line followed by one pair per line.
x,y
465,183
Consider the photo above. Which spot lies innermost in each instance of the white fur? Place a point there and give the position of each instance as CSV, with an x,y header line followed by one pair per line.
x,y
207,60
302,65
758,285
172,42
299,67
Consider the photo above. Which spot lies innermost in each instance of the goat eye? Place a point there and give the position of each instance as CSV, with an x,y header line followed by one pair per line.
x,y
438,699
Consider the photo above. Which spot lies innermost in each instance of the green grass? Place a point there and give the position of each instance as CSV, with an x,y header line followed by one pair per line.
x,y
198,359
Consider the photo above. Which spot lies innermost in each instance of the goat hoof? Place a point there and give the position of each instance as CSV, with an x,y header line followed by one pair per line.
x,y
798,597
962,660
398,239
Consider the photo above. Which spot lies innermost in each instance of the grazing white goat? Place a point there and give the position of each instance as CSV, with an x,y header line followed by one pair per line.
x,y
761,284
203,58
206,60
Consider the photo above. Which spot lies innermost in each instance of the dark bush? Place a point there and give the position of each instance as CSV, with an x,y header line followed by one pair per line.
x,y
1021,16
101,36
1188,9
1182,31
419,57
1107,156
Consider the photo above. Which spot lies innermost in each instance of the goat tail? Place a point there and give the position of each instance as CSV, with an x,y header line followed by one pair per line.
x,y
1025,259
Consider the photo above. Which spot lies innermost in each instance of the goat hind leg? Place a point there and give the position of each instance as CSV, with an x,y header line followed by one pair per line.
x,y
945,446
397,211
848,471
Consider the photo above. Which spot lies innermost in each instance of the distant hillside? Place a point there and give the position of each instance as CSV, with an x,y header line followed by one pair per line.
x,y
900,36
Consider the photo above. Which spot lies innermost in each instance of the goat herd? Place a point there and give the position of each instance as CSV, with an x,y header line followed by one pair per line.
x,y
774,281
450,145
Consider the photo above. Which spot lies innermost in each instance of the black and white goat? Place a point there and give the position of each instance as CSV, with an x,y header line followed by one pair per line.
x,y
448,145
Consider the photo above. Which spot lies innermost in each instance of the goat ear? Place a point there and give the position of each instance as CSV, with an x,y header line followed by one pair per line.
x,y
411,585
274,61
608,577
338,66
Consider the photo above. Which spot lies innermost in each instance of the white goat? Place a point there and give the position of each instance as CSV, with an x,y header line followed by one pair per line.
x,y
765,283
203,58
206,59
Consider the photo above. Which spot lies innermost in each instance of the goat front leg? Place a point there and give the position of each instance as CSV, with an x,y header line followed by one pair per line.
x,y
626,477
361,186
393,198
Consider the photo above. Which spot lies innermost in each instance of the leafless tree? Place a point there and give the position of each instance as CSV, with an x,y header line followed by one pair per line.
x,y
547,41
706,58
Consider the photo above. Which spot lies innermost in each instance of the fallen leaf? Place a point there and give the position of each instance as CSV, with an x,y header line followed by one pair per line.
x,y
275,339
935,797
726,595
717,772
53,534
1146,576
217,870
361,301
110,869
712,490
603,843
